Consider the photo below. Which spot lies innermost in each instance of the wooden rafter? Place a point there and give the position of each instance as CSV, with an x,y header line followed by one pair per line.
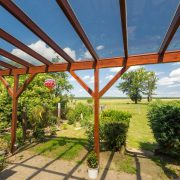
x,y
23,47
6,65
15,58
124,26
113,80
64,5
7,86
171,31
82,83
23,18
103,63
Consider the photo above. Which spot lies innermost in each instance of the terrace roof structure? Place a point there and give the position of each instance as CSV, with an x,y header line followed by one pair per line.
x,y
164,53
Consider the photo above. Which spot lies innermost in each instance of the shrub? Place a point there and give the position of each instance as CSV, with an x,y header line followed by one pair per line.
x,y
3,125
89,100
115,126
39,134
53,130
164,119
71,116
19,135
2,161
92,160
3,144
113,130
80,112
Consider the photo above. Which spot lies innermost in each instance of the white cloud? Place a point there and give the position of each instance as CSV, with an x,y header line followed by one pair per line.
x,y
100,47
174,64
86,77
159,73
91,80
87,55
172,79
116,69
109,77
165,81
174,85
41,48
70,52
71,79
175,73
133,68
80,91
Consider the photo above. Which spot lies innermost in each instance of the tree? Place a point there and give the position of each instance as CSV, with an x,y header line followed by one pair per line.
x,y
139,82
150,85
38,100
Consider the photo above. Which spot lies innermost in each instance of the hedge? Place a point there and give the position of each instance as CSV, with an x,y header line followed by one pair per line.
x,y
164,119
113,130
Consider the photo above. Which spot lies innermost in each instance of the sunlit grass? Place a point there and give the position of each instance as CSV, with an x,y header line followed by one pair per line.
x,y
60,148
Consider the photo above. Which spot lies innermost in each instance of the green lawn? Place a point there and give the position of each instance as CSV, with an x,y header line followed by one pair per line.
x,y
61,148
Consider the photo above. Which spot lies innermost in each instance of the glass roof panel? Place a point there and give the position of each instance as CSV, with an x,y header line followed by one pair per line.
x,y
26,36
51,19
6,60
148,22
175,42
17,52
101,22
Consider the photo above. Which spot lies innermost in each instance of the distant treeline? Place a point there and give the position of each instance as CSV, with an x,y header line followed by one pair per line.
x,y
128,98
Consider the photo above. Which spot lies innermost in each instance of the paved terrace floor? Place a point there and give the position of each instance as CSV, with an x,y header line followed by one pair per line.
x,y
26,165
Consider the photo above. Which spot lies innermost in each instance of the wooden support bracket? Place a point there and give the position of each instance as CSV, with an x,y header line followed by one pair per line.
x,y
82,83
7,86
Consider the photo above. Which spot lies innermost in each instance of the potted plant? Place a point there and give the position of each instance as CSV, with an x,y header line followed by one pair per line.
x,y
92,162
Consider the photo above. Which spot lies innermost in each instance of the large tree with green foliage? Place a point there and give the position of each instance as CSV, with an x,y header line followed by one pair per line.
x,y
39,101
138,82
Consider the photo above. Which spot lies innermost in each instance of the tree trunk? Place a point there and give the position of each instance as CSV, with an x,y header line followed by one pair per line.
x,y
136,101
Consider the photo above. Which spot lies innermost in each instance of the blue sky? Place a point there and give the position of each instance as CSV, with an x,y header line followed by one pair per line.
x,y
148,21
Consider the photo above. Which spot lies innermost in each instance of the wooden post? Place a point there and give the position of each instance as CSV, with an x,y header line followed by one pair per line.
x,y
14,112
96,111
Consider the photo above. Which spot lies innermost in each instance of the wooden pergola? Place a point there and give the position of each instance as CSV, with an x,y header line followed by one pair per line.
x,y
71,65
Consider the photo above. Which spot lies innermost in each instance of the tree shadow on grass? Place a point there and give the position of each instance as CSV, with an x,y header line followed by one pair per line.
x,y
161,160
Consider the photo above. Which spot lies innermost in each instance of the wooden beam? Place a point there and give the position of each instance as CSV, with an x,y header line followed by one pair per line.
x,y
64,5
96,112
124,26
11,7
14,113
143,59
113,80
82,83
6,65
7,86
15,58
26,83
171,31
23,47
